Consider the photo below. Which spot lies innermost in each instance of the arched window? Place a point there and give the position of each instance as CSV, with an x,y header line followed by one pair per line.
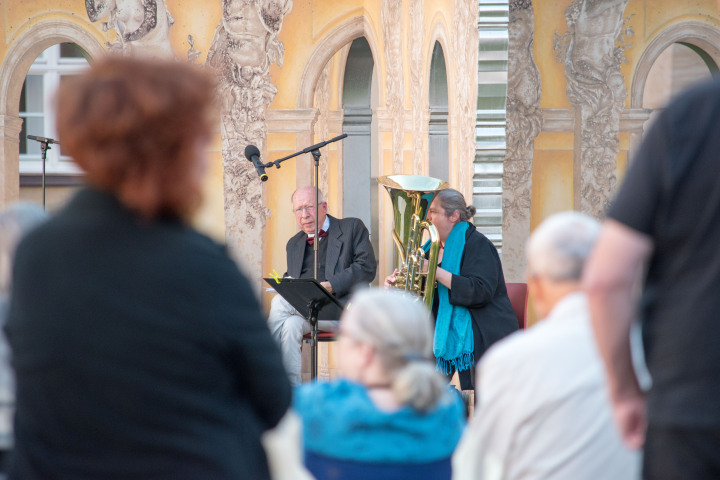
x,y
359,97
438,146
48,71
677,68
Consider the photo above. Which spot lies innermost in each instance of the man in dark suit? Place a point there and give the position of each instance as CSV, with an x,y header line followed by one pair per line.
x,y
345,259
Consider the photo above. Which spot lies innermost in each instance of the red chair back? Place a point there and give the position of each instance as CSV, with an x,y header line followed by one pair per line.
x,y
518,294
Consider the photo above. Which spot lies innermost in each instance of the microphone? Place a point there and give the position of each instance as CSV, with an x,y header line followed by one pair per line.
x,y
253,154
42,139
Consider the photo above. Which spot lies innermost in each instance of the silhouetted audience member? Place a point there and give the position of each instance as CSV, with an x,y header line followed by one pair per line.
x,y
543,407
15,222
665,224
391,415
140,350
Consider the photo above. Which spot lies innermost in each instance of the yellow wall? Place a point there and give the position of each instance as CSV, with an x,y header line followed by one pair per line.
x,y
553,157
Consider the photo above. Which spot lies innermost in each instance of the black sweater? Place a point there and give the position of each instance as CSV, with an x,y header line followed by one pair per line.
x,y
140,351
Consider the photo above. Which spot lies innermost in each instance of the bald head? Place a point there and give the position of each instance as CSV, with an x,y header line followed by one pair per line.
x,y
556,254
558,248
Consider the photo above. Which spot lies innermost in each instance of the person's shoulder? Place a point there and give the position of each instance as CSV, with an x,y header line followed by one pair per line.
x,y
309,395
705,95
295,238
475,237
514,351
349,225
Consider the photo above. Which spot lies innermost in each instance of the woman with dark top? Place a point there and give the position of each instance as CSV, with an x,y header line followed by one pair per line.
x,y
471,306
140,349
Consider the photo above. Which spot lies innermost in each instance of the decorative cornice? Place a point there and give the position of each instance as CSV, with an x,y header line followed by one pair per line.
x,y
291,120
385,118
563,120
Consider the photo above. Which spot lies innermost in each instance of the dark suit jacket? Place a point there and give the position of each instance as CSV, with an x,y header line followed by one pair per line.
x,y
349,261
140,351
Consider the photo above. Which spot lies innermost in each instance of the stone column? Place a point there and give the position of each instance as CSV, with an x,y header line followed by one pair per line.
x,y
391,20
10,127
592,50
524,122
244,46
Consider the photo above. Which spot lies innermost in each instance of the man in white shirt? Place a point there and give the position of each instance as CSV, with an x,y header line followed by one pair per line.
x,y
543,410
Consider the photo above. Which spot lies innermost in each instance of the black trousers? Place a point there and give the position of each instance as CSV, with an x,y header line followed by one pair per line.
x,y
681,453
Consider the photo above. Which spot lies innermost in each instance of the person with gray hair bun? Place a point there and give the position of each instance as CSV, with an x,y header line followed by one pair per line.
x,y
471,306
543,409
17,220
391,409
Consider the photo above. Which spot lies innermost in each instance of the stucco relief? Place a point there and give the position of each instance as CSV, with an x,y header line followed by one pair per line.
x,y
593,51
420,111
142,26
524,122
322,127
391,19
465,58
244,46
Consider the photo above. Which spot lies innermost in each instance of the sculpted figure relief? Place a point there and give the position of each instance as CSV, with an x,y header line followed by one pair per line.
x,y
244,46
391,19
142,26
592,51
465,55
524,122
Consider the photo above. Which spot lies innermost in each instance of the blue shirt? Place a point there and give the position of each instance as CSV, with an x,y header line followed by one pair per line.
x,y
341,421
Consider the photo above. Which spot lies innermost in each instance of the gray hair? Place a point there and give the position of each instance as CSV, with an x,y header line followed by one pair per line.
x,y
398,326
558,248
321,198
452,200
15,222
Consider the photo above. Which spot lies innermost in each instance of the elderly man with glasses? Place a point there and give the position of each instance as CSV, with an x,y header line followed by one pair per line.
x,y
345,260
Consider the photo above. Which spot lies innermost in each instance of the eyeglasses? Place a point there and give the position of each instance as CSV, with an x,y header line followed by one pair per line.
x,y
304,209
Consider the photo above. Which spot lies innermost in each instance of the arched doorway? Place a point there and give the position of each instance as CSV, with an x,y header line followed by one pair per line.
x,y
53,184
359,98
20,56
679,66
438,143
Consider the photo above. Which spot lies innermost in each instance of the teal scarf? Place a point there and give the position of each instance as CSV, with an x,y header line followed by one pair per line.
x,y
453,344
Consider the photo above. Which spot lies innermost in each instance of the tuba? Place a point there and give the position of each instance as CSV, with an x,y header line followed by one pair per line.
x,y
411,196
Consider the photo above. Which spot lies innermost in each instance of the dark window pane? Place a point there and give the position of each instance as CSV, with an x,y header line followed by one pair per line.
x,y
71,50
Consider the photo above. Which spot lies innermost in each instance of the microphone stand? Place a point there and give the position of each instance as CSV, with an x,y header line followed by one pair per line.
x,y
44,147
314,150
43,150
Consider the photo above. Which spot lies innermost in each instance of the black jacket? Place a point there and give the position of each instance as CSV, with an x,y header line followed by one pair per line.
x,y
480,287
140,350
349,261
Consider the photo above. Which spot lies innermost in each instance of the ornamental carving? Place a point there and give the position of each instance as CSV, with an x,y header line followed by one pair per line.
x,y
391,19
420,111
142,26
322,126
524,122
244,46
465,57
593,51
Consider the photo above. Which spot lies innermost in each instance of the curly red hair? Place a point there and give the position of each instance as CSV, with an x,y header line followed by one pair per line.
x,y
136,128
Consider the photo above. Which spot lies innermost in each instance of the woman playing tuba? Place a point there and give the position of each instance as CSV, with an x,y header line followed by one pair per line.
x,y
471,306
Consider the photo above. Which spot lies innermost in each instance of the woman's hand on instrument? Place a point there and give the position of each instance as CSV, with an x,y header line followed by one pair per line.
x,y
390,279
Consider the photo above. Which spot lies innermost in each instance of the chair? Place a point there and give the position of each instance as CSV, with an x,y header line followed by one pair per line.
x,y
326,468
322,336
518,294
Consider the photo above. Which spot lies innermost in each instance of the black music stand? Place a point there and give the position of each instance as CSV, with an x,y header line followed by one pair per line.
x,y
313,302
